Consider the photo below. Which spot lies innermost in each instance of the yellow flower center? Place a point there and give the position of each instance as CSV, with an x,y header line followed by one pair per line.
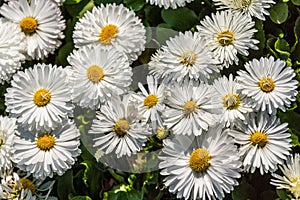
x,y
225,38
162,133
27,184
246,3
108,33
199,160
188,58
28,25
295,187
231,101
41,97
259,138
45,142
121,126
266,84
150,100
189,107
95,73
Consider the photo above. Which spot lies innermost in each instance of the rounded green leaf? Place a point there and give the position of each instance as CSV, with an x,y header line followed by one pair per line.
x,y
279,13
296,2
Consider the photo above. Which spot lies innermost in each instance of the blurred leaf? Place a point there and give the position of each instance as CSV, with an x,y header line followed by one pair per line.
x,y
98,2
279,13
181,19
72,1
282,194
75,9
292,118
65,184
296,2
295,140
135,5
134,195
244,191
269,195
63,53
164,32
81,198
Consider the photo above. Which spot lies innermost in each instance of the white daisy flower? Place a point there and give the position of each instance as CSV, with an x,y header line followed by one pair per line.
x,y
235,105
183,56
17,185
118,129
97,74
200,167
7,130
253,8
11,49
39,97
40,21
47,153
291,176
151,104
269,83
264,142
228,34
112,26
169,3
191,108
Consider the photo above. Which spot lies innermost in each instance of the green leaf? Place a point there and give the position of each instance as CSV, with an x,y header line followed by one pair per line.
x,y
81,198
296,2
283,48
295,140
180,19
296,47
75,9
244,191
65,185
164,32
292,118
279,13
282,194
135,5
63,52
135,195
98,2
72,1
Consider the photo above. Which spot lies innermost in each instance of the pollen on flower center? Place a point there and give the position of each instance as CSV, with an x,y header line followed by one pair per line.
x,y
27,184
225,38
28,25
41,97
121,126
95,73
266,84
45,142
150,100
199,160
259,138
231,101
246,3
189,107
188,58
295,187
108,33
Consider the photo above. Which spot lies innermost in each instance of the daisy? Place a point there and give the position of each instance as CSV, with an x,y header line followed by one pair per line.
x,y
11,49
183,56
264,142
269,83
17,185
47,153
7,131
97,74
151,104
200,167
234,104
169,3
291,176
39,97
255,8
40,21
191,108
228,34
118,129
111,26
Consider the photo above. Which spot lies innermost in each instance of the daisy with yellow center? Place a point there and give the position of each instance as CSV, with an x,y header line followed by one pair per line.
x,y
200,167
264,143
269,83
47,153
111,26
45,102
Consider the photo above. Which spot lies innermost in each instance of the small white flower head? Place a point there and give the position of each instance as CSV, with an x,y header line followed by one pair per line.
x,y
96,74
235,105
253,8
45,154
201,167
40,21
118,129
183,56
39,97
191,108
291,176
111,26
169,3
228,34
19,185
151,102
7,130
264,142
11,49
269,83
